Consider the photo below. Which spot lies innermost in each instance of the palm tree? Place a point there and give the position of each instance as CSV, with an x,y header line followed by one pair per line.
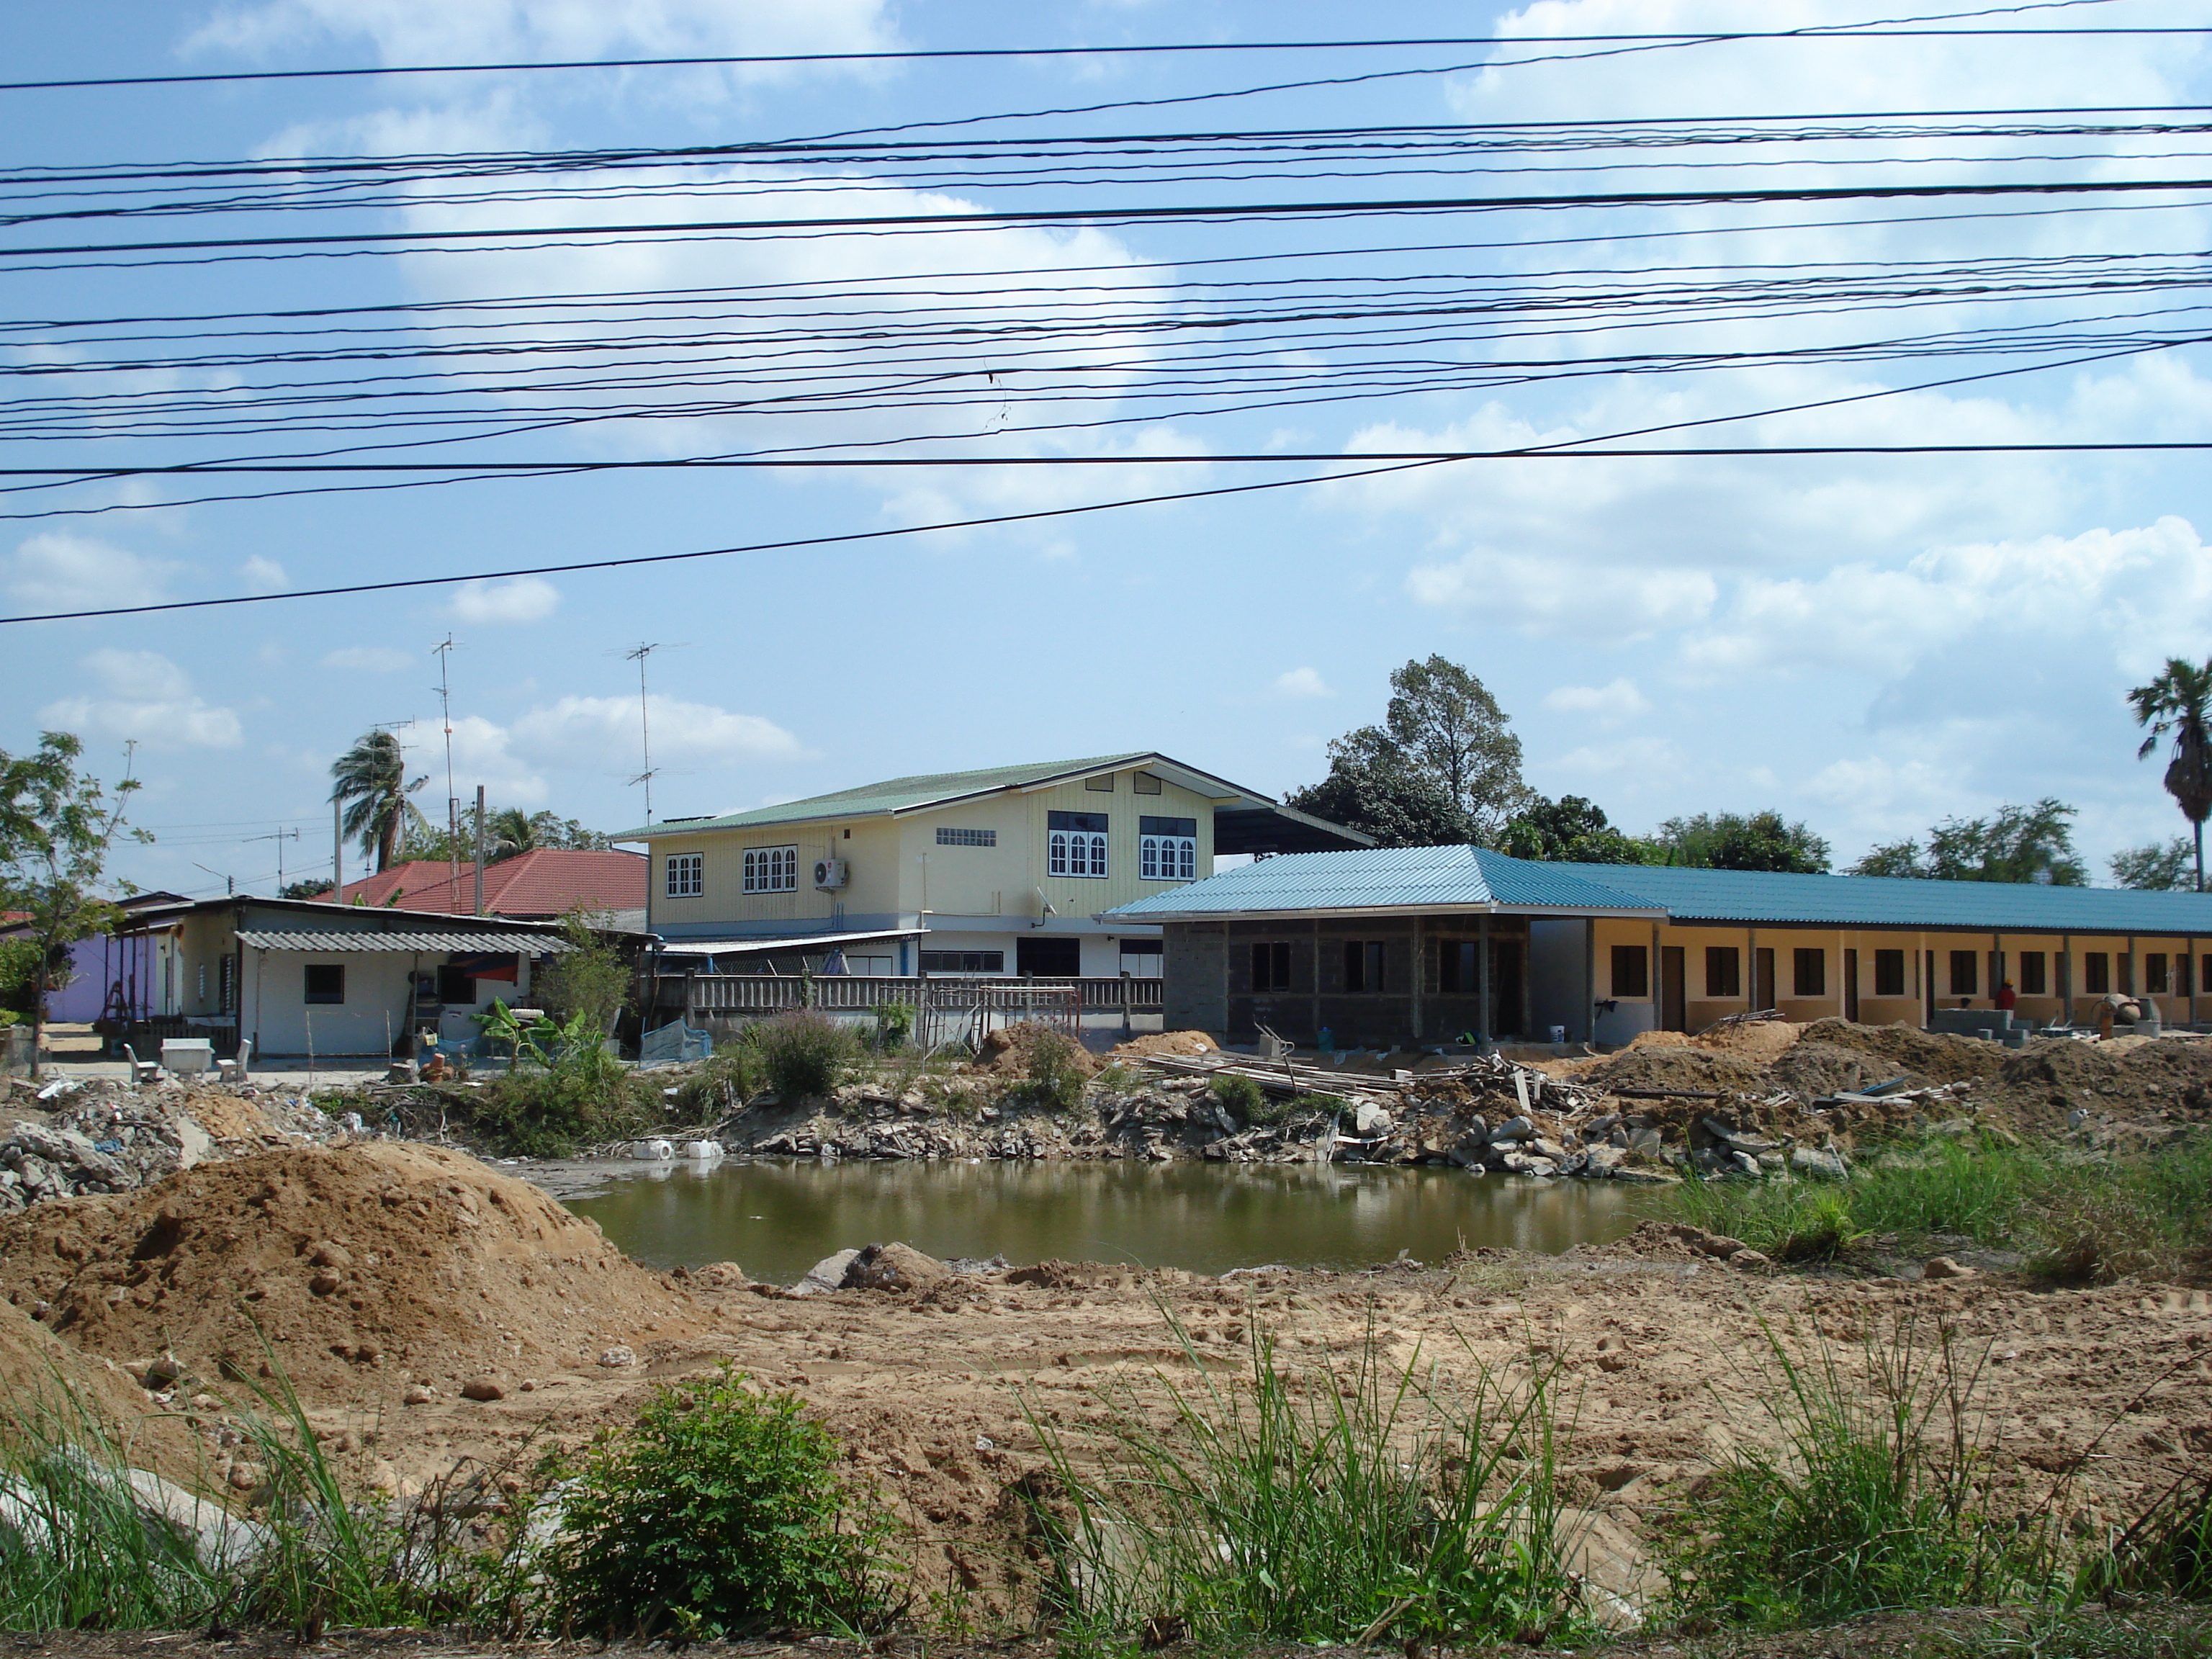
x,y
510,832
371,779
2179,701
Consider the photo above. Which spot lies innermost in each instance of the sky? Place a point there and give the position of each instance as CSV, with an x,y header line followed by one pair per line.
x,y
1870,643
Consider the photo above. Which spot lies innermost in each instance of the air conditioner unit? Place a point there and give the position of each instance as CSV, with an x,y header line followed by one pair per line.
x,y
831,874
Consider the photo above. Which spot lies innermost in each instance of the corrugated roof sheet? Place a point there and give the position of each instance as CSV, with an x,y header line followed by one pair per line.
x,y
891,795
1755,896
543,882
336,940
1417,877
1386,878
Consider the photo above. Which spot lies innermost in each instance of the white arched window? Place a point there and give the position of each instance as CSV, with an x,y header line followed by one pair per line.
x,y
1075,844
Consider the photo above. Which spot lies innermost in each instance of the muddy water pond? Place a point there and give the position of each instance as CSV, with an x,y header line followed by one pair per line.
x,y
775,1218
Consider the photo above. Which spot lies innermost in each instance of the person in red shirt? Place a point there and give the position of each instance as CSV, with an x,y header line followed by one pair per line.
x,y
2006,999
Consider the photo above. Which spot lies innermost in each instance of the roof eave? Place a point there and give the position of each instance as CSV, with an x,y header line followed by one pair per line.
x,y
1315,913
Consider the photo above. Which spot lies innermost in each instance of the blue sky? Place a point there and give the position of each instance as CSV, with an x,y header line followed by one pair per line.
x,y
1869,643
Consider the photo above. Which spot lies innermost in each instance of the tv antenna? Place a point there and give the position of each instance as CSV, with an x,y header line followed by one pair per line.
x,y
280,836
644,722
443,651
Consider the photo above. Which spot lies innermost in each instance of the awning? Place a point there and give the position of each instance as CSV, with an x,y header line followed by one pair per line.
x,y
331,941
798,943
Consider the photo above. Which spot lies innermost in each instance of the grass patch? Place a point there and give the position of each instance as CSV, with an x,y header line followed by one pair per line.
x,y
1056,1070
1873,1499
2076,1220
2150,1631
1326,1504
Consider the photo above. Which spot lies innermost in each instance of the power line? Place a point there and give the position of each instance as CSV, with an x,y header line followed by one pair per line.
x,y
1424,460
1870,31
883,224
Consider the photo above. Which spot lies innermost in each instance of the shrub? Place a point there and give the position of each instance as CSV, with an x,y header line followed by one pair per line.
x,y
718,1514
1056,1071
589,979
1240,1098
801,1052
1871,1501
1327,1506
894,1025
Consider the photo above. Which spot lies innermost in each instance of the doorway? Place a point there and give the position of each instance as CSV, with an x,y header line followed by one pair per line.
x,y
1762,978
1674,1011
1852,985
1927,988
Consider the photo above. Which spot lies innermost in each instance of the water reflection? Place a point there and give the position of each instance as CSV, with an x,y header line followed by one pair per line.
x,y
775,1219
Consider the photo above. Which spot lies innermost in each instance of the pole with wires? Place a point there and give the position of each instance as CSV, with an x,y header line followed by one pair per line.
x,y
644,724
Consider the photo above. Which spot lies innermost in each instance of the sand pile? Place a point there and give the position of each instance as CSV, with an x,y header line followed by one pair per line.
x,y
1692,1068
38,1370
1165,1042
1007,1050
367,1268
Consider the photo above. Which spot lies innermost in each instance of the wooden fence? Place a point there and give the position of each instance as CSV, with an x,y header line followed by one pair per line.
x,y
1005,998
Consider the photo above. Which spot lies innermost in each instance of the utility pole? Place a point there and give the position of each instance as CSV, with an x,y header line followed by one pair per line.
x,y
480,848
644,724
337,851
443,651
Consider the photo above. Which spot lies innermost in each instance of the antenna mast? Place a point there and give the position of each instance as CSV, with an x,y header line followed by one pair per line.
x,y
644,723
443,651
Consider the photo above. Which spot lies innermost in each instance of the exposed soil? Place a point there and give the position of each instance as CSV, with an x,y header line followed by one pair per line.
x,y
363,1269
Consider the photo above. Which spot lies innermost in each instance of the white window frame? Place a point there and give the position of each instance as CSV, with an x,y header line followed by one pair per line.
x,y
1167,858
686,875
771,869
1077,853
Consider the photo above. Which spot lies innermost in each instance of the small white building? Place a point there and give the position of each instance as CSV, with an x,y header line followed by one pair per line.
x,y
299,976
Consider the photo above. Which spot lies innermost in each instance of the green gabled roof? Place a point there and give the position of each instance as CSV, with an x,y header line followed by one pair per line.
x,y
895,795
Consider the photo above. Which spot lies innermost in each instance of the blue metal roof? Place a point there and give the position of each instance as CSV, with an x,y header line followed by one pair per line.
x,y
1753,895
1386,878
1446,878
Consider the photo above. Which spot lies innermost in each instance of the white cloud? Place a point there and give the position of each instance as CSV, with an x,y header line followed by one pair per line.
x,y
264,575
1611,704
1302,683
372,658
602,733
146,697
517,600
483,753
59,571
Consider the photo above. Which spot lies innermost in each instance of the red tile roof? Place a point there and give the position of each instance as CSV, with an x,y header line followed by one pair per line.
x,y
542,884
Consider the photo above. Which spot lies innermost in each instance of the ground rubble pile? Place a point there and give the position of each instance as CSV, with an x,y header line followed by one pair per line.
x,y
72,1138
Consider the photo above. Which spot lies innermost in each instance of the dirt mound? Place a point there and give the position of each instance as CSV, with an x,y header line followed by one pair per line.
x,y
1754,1039
365,1269
2039,1085
37,1366
1813,1069
1164,1042
1008,1050
1699,1070
1925,1056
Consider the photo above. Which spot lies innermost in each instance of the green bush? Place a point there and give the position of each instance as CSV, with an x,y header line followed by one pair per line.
x,y
894,1026
1328,1505
801,1052
1056,1071
718,1514
1870,1501
1240,1098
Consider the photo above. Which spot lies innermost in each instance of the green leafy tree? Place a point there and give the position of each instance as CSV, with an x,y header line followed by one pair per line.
x,y
2161,866
370,781
513,831
2180,701
1443,767
57,826
1740,841
1570,830
1444,719
589,979
1373,788
2031,843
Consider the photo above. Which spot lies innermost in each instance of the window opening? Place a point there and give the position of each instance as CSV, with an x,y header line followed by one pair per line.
x,y
687,875
325,982
1363,964
947,837
1889,973
1632,971
1723,971
1271,966
1810,972
771,870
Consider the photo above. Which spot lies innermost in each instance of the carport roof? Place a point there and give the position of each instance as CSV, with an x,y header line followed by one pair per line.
x,y
337,940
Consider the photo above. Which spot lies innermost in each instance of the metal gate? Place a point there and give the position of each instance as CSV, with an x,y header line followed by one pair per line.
x,y
967,1010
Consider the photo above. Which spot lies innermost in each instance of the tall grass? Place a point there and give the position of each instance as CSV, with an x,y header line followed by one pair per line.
x,y
1872,1498
1326,1504
2076,1217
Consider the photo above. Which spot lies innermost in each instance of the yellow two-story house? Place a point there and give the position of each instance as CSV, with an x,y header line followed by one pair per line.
x,y
1002,870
